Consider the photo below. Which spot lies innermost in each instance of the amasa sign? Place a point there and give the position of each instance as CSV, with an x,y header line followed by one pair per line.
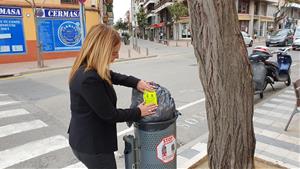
x,y
8,11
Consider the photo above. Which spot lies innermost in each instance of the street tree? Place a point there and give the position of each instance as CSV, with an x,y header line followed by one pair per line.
x,y
40,60
226,77
121,25
281,12
142,20
178,10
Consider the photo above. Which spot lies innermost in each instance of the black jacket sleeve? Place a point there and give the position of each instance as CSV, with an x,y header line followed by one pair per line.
x,y
124,80
93,91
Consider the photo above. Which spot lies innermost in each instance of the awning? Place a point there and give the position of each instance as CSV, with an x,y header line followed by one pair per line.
x,y
158,25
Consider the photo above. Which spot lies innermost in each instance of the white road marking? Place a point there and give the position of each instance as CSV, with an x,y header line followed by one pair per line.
x,y
11,113
191,104
4,103
1,95
31,150
21,127
125,131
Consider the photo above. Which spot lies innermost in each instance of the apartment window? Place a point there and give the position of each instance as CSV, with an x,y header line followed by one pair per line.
x,y
69,1
244,6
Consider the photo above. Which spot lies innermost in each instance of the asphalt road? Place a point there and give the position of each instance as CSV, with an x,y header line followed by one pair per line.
x,y
37,107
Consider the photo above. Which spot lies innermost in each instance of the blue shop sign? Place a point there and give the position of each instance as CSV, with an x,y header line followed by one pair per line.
x,y
10,11
59,35
57,13
12,39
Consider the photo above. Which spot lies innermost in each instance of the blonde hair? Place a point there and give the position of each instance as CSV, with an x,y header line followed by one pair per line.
x,y
96,51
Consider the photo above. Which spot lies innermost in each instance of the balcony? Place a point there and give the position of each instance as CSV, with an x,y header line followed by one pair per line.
x,y
162,4
148,2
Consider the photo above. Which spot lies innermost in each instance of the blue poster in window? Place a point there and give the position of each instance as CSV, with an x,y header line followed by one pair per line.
x,y
12,39
59,35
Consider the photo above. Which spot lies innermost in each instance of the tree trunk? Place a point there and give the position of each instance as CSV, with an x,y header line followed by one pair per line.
x,y
226,77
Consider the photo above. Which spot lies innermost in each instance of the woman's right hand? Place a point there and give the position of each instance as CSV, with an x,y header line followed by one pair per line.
x,y
147,110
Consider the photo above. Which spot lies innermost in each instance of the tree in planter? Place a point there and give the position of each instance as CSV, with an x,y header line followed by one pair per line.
x,y
178,10
142,20
282,11
226,77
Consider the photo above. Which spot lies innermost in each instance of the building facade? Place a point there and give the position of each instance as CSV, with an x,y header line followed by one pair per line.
x,y
58,29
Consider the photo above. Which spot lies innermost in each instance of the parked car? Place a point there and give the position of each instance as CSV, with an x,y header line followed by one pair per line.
x,y
282,37
247,39
296,43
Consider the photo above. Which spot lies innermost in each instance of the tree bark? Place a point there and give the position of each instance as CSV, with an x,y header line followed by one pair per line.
x,y
226,77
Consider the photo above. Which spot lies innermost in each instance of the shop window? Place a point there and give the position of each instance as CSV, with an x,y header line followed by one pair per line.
x,y
69,1
185,31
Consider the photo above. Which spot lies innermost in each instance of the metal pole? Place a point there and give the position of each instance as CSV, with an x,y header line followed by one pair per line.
x,y
82,22
40,60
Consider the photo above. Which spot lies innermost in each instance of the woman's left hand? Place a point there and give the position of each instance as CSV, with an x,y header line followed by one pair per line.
x,y
143,85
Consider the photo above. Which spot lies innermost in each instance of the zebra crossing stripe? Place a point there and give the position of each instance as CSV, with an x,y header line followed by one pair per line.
x,y
1,95
31,150
14,112
273,114
282,153
78,165
287,96
277,136
4,103
21,127
278,107
283,101
290,92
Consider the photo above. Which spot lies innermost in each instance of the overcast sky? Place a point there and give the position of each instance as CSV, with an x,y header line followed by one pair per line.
x,y
120,8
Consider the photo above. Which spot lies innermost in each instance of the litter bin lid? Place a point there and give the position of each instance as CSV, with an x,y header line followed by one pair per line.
x,y
155,126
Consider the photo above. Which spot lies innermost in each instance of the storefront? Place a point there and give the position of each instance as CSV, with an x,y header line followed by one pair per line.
x,y
12,41
58,31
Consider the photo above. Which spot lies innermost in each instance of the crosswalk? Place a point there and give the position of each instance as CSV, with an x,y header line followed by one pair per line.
x,y
273,143
12,156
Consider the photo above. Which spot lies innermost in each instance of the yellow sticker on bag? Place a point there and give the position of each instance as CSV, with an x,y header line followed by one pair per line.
x,y
150,97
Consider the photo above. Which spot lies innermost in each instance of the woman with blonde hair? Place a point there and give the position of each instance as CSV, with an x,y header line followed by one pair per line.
x,y
92,130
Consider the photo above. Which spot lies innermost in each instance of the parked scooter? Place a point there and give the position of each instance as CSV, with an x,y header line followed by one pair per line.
x,y
278,71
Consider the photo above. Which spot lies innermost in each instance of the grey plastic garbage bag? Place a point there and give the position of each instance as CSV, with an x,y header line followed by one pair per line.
x,y
166,105
259,75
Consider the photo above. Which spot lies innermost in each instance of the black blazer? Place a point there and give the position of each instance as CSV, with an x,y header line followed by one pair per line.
x,y
94,115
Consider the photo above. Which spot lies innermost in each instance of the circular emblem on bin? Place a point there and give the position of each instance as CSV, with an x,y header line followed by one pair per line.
x,y
166,149
69,33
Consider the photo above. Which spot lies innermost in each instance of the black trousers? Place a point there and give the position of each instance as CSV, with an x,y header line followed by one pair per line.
x,y
97,161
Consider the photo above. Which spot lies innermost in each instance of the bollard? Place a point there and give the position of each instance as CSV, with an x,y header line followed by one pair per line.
x,y
187,44
129,53
176,44
147,52
139,50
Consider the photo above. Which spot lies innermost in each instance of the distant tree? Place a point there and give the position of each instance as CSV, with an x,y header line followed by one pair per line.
x,y
178,10
282,10
142,20
121,25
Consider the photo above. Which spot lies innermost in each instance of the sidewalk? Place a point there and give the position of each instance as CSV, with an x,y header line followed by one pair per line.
x,y
16,69
273,144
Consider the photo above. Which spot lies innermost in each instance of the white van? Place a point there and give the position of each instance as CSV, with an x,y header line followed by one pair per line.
x,y
296,43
